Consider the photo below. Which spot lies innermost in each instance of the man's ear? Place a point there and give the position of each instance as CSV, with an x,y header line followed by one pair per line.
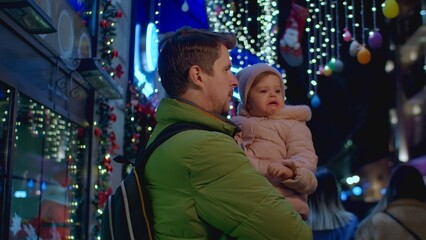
x,y
195,76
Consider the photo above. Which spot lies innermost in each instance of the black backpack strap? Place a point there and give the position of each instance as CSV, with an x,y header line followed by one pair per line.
x,y
163,136
168,132
139,199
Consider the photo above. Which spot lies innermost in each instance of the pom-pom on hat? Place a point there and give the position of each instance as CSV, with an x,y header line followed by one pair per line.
x,y
246,78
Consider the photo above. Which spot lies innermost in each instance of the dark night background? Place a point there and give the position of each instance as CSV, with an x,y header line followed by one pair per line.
x,y
355,103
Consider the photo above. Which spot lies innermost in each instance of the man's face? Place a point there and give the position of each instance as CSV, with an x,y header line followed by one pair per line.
x,y
220,85
266,97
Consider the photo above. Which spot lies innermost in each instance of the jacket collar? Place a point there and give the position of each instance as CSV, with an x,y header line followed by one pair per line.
x,y
180,110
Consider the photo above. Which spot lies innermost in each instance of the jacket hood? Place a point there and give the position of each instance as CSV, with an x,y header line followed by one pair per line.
x,y
246,78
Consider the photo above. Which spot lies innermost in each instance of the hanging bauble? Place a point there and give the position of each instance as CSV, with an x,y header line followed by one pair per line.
x,y
347,36
390,9
98,132
375,40
119,70
320,70
315,101
119,14
114,53
103,23
354,48
106,160
112,117
363,55
331,64
80,132
102,198
338,65
185,6
327,71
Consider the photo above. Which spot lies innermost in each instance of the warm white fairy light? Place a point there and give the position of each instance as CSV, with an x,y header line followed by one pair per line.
x,y
225,18
332,28
325,32
374,9
321,31
352,16
315,36
157,15
311,40
363,29
345,5
337,31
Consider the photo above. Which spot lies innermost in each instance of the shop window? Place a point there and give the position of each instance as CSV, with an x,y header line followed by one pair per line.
x,y
47,175
5,109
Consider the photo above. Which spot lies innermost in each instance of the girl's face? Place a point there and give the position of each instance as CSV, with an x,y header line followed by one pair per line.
x,y
265,97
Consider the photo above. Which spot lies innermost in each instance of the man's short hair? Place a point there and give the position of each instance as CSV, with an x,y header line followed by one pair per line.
x,y
187,47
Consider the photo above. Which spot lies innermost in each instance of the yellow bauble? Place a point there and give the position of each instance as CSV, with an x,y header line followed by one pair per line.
x,y
327,71
390,9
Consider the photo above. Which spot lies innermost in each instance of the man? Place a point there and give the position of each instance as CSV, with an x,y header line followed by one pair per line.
x,y
201,184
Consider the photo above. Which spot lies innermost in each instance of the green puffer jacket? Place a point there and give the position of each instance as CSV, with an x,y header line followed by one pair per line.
x,y
203,186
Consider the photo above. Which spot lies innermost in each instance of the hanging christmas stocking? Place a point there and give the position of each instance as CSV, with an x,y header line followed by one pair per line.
x,y
290,47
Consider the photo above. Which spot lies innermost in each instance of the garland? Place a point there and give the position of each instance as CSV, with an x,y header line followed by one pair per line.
x,y
140,115
139,121
105,137
109,17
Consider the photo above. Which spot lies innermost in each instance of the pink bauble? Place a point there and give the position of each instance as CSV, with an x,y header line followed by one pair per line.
x,y
320,70
347,36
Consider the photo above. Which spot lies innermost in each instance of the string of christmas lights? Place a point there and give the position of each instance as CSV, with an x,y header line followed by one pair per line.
x,y
106,146
109,16
230,17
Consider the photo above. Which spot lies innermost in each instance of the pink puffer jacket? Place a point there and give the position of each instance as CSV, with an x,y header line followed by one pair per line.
x,y
283,137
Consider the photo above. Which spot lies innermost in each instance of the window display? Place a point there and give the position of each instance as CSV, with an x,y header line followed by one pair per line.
x,y
47,181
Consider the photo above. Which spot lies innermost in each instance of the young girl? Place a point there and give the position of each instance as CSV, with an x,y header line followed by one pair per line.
x,y
275,136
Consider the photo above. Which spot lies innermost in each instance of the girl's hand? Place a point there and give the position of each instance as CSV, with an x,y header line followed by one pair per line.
x,y
277,169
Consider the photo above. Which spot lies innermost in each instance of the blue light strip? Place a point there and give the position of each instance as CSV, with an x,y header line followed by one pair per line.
x,y
142,80
150,56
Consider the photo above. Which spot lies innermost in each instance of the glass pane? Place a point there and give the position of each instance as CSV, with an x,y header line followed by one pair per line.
x,y
47,180
5,102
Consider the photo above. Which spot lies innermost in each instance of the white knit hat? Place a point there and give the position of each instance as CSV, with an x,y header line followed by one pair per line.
x,y
246,78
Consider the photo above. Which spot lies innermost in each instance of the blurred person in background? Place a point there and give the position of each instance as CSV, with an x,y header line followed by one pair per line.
x,y
328,218
401,213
